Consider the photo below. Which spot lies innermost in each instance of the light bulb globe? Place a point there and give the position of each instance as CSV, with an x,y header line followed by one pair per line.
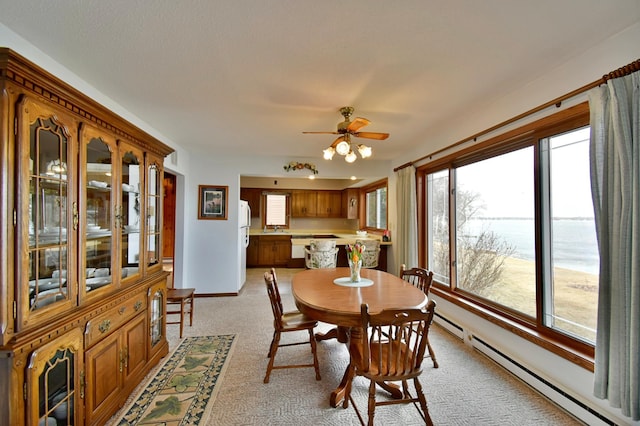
x,y
343,148
365,151
328,153
350,157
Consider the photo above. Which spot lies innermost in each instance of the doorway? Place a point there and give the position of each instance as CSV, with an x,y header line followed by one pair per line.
x,y
169,224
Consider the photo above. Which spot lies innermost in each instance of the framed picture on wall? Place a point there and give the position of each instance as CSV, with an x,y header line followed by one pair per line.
x,y
212,202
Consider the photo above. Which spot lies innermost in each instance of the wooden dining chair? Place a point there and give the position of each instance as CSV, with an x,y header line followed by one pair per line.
x,y
418,277
392,349
422,279
284,322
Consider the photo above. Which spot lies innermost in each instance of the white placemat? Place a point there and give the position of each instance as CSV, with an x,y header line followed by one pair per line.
x,y
346,282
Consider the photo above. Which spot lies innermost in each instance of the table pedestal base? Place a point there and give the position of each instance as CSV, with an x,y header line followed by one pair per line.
x,y
353,337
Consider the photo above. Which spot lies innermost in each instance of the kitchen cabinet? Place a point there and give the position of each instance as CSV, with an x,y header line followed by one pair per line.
x,y
252,251
329,204
253,196
350,203
269,250
303,203
310,203
81,226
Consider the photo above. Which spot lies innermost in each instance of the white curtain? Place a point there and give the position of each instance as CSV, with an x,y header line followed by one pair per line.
x,y
406,241
615,182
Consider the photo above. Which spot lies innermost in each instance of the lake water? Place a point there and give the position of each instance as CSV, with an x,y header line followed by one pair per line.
x,y
575,245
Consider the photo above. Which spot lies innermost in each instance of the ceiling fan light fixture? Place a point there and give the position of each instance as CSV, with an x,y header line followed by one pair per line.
x,y
329,153
343,147
350,157
365,151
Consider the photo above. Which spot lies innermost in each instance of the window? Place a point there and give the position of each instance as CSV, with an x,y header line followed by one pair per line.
x,y
495,232
570,242
376,206
438,225
276,210
516,217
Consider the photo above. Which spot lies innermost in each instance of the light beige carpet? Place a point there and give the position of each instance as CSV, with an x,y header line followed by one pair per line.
x,y
467,389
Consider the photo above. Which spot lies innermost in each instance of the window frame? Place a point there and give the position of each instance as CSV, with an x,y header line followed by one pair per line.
x,y
362,217
535,330
263,205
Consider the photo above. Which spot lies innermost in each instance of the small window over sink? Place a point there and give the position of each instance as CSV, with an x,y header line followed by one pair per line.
x,y
276,212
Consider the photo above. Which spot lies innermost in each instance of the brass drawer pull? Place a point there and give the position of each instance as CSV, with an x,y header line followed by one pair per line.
x,y
104,326
137,306
121,310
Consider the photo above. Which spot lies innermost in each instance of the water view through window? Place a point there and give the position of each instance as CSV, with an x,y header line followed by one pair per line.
x,y
497,243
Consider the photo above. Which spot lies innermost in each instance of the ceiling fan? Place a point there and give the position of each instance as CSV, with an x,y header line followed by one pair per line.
x,y
346,129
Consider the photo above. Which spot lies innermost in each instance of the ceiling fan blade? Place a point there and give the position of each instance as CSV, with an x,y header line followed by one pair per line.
x,y
321,133
372,135
357,123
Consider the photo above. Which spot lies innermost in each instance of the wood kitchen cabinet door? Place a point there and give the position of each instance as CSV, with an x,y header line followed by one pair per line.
x,y
329,204
274,250
253,197
303,203
252,251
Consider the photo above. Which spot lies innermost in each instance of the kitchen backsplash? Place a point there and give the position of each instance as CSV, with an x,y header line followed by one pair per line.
x,y
315,223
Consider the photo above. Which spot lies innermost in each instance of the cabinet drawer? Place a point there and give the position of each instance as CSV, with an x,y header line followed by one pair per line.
x,y
104,324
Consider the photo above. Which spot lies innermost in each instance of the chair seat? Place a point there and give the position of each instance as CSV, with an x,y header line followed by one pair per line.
x,y
297,320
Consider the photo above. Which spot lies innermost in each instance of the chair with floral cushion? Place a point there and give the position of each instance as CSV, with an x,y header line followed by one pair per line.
x,y
321,254
371,253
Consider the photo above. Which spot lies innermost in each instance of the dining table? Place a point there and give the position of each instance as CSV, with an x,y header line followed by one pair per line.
x,y
329,296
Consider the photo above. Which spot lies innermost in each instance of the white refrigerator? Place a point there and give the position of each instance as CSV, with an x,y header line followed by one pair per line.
x,y
244,223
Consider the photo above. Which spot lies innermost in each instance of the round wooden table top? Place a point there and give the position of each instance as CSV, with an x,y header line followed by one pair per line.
x,y
318,297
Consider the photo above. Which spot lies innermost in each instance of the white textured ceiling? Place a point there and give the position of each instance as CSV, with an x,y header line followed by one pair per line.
x,y
248,76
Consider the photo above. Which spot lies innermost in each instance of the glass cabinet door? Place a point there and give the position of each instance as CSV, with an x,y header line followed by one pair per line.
x,y
129,216
96,262
47,212
54,382
154,214
157,316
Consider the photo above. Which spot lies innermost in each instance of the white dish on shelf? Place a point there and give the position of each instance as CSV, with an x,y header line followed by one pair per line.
x,y
54,230
93,228
98,282
361,233
98,184
131,228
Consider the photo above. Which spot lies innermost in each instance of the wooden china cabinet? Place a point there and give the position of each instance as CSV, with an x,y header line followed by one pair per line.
x,y
82,290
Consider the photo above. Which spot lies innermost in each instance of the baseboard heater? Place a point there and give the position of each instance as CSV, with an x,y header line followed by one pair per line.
x,y
561,398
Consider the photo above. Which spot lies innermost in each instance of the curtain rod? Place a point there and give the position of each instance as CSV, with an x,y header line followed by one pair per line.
x,y
620,72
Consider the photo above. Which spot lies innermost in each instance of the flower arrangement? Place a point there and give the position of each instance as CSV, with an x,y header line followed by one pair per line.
x,y
354,251
354,256
294,165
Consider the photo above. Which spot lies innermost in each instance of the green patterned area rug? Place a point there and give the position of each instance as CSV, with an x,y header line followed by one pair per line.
x,y
184,388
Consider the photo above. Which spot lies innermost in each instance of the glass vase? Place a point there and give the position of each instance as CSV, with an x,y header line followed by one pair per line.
x,y
354,269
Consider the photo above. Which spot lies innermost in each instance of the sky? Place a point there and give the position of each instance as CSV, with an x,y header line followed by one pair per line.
x,y
571,190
